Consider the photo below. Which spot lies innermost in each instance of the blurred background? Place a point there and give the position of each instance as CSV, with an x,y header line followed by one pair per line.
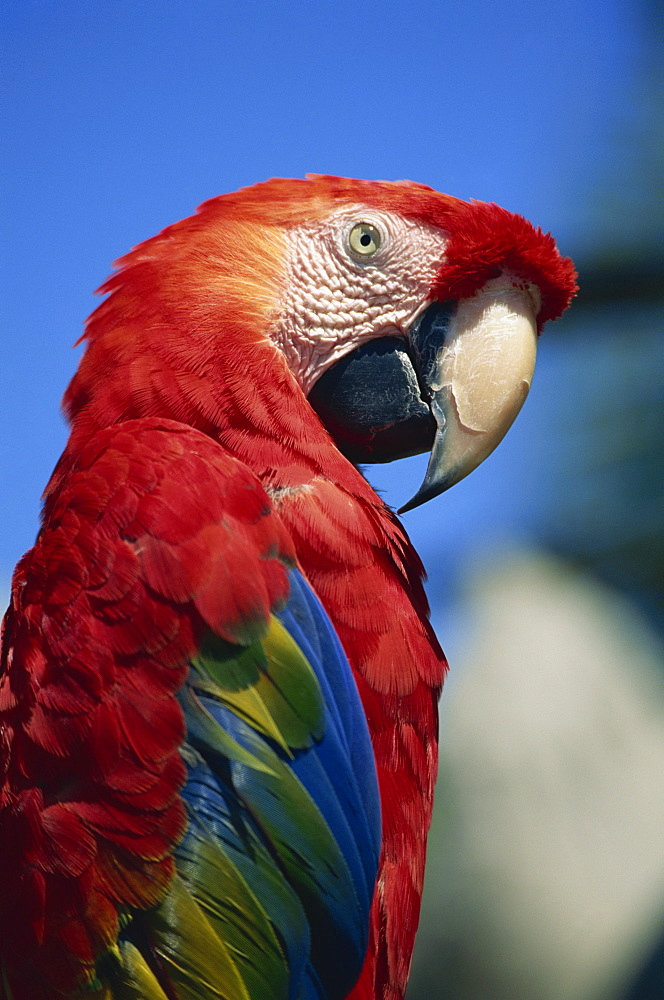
x,y
546,860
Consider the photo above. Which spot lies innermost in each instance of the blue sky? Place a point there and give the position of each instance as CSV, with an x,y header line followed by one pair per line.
x,y
120,118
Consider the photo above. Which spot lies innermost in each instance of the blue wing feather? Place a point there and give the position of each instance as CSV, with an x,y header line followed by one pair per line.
x,y
299,826
340,771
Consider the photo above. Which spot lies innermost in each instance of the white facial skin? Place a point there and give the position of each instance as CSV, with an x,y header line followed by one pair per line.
x,y
336,298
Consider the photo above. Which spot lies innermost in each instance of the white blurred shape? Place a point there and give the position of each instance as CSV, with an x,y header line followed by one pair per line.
x,y
545,877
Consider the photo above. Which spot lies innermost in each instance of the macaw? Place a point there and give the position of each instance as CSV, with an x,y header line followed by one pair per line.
x,y
218,698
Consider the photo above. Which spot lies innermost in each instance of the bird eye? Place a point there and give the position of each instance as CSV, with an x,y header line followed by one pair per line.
x,y
364,240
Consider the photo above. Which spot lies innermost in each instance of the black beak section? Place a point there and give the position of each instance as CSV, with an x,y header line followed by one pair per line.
x,y
372,403
427,337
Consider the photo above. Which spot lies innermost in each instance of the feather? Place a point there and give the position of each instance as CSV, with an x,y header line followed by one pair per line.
x,y
281,789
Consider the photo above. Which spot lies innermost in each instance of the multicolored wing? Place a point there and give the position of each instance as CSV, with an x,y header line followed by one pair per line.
x,y
188,804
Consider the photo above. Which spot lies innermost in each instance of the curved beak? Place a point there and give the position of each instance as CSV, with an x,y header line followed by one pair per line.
x,y
476,364
454,385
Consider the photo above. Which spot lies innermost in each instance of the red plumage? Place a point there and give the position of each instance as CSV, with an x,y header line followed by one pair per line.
x,y
98,647
181,393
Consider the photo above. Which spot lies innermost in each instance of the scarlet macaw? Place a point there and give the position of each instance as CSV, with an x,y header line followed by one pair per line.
x,y
219,680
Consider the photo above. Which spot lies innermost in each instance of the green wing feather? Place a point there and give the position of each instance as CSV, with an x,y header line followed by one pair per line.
x,y
270,684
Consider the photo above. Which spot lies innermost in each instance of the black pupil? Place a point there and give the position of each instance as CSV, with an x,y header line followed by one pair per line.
x,y
365,239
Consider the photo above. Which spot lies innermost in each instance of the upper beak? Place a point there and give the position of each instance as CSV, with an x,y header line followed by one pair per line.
x,y
454,386
476,363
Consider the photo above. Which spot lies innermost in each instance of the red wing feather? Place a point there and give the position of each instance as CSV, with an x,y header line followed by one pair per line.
x,y
154,532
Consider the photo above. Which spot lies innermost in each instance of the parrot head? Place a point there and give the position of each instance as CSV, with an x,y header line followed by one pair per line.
x,y
405,318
